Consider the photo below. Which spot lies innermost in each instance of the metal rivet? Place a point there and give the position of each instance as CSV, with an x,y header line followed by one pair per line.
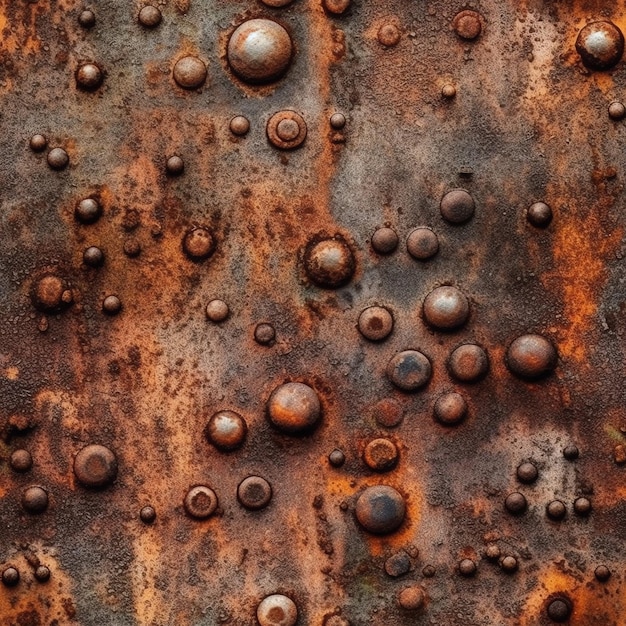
x,y
467,567
239,125
58,159
199,243
150,16
329,262
336,620
147,514
111,305
38,143
132,247
35,500
277,610
254,493
467,25
582,506
88,211
380,509
10,577
375,323
531,356
226,430
337,458
527,473
600,45
571,452
190,72
468,363
336,7
409,370
448,91
422,244
602,573
264,334
174,165
384,240
286,130
388,413
388,35
259,51
450,408
217,311
619,454
516,503
539,214
411,598
509,564
42,574
446,308
200,502
95,466
429,571
337,121
398,564
21,461
493,552
276,3
380,455
617,111
559,610
294,408
457,206
89,76
87,19
93,256
48,293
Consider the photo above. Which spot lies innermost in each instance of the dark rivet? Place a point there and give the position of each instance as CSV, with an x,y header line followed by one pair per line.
x,y
254,493
35,500
200,502
277,610
147,514
602,573
111,305
174,165
259,51
93,256
88,211
226,430
276,3
600,45
294,408
388,413
150,16
389,35
448,91
48,294
330,262
539,214
492,552
409,370
337,121
21,461
286,130
422,244
527,473
468,363
467,24
264,334
95,466
559,610
381,455
89,76
617,111
411,598
446,308
38,143
58,159
467,567
239,125
380,509
375,323
515,503
132,247
337,7
509,564
10,577
531,356
398,564
42,574
336,458
217,311
428,571
450,408
384,240
457,206
571,452
190,72
87,19
582,506
199,243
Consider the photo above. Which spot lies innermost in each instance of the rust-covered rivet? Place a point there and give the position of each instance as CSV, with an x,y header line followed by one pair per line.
x,y
493,552
448,91
509,564
38,143
21,460
600,45
294,408
286,130
531,356
467,567
277,610
239,125
467,25
384,240
58,159
381,455
42,574
10,576
111,305
264,334
457,206
329,262
254,493
93,256
388,35
48,293
89,76
277,4
336,7
617,111
582,506
398,564
527,473
147,514
336,620
516,503
446,308
337,458
422,244
409,370
380,509
539,214
217,311
132,247
174,165
602,573
375,323
429,571
450,408
619,454
88,211
411,598
559,610
95,466
87,19
198,243
35,499
259,51
226,430
388,413
200,502
150,16
468,363
337,121
190,72
571,452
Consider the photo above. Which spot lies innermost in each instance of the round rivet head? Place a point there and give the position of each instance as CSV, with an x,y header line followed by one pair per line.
x,y
398,564
516,503
10,577
539,214
527,473
42,574
254,493
380,455
200,502
337,458
493,552
174,165
429,571
264,334
384,240
276,3
329,262
190,72
147,514
93,256
88,211
58,159
87,19
259,51
602,573
411,598
571,452
239,125
457,206
450,408
38,143
226,430
600,45
509,564
21,461
336,7
337,121
422,244
199,243
446,308
467,25
556,510
468,363
150,16
95,466
582,506
375,323
89,77
132,248
388,35
277,610
294,408
48,293
409,370
380,509
35,500
531,356
467,567
286,130
617,111
448,91
559,610
111,305
217,311
388,413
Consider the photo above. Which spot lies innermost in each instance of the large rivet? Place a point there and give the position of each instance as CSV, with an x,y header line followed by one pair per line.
x,y
89,77
49,293
388,35
10,576
329,262
527,473
582,506
384,240
509,564
409,370
294,408
571,452
467,567
265,334
468,363
380,509
58,159
457,206
556,510
42,574
226,430
217,311
375,323
337,121
450,408
446,308
87,19
147,514
600,45
190,72
467,24
422,244
337,458
516,503
286,130
254,493
388,413
539,214
174,165
93,256
336,7
150,16
88,211
531,356
617,111
200,502
35,500
381,455
277,610
95,466
21,461
199,243
411,598
602,573
111,305
559,610
38,143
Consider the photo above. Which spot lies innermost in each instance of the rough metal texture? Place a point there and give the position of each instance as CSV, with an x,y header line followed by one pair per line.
x,y
512,116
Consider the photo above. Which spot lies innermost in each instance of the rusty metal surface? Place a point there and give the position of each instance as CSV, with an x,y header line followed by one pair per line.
x,y
391,478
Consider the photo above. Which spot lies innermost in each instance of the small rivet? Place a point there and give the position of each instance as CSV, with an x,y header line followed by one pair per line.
x,y
89,76
254,493
200,502
147,514
217,311
190,72
111,305
239,125
150,16
58,159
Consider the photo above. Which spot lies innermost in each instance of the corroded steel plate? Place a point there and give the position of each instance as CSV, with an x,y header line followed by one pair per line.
x,y
312,313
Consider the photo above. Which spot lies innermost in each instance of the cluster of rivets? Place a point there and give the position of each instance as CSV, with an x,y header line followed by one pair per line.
x,y
286,130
